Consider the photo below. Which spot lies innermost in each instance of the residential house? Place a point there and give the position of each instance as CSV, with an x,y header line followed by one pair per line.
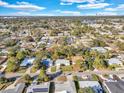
x,y
60,62
4,51
121,56
115,61
65,87
47,62
42,88
99,49
27,61
93,84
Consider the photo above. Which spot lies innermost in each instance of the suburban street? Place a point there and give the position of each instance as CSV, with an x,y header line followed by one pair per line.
x,y
11,75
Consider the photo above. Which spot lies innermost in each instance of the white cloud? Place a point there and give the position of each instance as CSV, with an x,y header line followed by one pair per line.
x,y
2,3
65,3
82,1
25,7
118,8
110,9
73,13
27,14
20,3
93,6
121,6
21,6
17,14
42,14
101,14
22,13
106,13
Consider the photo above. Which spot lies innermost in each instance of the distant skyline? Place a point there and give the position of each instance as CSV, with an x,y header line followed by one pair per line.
x,y
61,7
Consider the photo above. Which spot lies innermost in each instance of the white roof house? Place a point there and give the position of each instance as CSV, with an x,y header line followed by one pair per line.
x,y
65,87
42,88
99,49
62,92
113,61
93,84
27,61
121,56
59,62
4,51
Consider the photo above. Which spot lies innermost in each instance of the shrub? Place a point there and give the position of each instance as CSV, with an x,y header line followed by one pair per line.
x,y
66,68
3,80
62,78
53,69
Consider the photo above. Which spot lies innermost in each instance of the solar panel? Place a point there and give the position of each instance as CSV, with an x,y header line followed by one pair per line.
x,y
40,90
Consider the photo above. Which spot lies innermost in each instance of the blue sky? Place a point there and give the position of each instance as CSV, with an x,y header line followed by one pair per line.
x,y
61,7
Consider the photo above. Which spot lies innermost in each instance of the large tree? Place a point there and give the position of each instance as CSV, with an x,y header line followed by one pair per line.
x,y
42,76
20,55
12,64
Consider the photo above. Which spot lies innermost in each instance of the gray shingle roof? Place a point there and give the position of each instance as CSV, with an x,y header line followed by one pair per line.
x,y
115,87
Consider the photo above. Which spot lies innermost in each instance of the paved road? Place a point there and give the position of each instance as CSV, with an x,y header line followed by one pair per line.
x,y
98,72
10,75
